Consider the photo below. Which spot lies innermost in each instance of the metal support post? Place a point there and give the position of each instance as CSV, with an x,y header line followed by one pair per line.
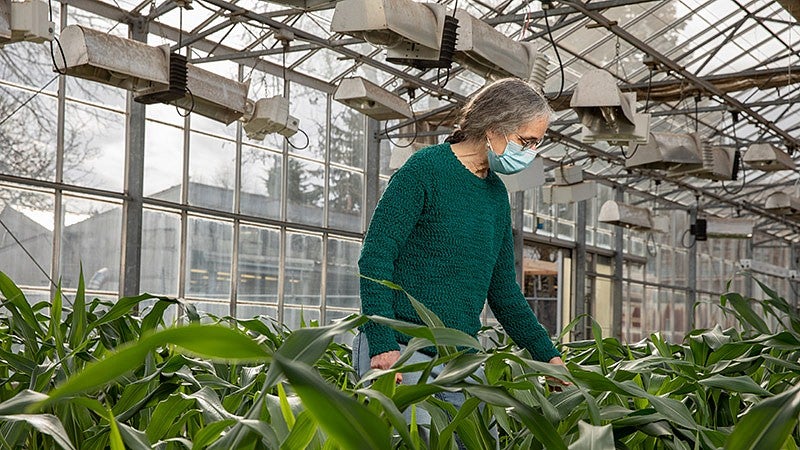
x,y
580,270
372,182
691,294
616,309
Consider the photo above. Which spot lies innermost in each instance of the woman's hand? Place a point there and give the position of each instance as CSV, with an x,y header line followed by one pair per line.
x,y
556,382
386,360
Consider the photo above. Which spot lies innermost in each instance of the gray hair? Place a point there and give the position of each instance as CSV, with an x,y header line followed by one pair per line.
x,y
502,106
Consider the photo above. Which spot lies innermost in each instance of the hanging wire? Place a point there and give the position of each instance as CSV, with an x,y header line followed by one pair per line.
x,y
308,141
413,138
558,55
5,119
683,240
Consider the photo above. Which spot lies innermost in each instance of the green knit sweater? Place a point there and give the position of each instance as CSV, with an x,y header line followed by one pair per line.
x,y
444,235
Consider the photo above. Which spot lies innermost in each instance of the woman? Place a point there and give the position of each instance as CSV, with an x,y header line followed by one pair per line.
x,y
442,230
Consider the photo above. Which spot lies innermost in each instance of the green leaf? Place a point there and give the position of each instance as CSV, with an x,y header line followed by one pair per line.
x,y
352,425
394,415
740,384
303,431
122,307
77,329
210,433
286,410
21,402
54,331
133,438
46,424
742,306
210,341
114,438
165,415
593,437
767,425
676,411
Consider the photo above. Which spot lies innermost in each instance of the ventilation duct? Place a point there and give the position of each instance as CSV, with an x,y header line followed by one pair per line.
x,y
484,50
371,99
527,179
624,215
606,113
767,158
668,151
112,60
783,204
407,29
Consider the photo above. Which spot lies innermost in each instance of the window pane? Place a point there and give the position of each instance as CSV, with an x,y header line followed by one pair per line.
x,y
100,161
259,257
163,161
305,191
348,136
29,216
248,311
209,248
341,284
28,136
303,269
92,238
294,317
211,172
262,175
309,105
161,240
345,195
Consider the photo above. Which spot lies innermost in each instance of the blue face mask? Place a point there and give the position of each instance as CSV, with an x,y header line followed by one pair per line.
x,y
514,158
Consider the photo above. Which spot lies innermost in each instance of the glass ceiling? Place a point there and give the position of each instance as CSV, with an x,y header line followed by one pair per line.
x,y
747,48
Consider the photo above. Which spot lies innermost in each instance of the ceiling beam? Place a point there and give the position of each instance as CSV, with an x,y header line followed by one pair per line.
x,y
521,18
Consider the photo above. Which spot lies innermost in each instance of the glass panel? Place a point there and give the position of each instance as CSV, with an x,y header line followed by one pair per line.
x,y
92,238
302,269
29,217
215,309
91,91
163,161
309,105
262,175
305,191
345,196
28,137
295,317
348,136
259,264
161,240
248,311
208,262
211,172
100,162
342,281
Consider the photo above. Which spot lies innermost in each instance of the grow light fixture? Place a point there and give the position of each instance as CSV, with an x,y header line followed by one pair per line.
x,y
719,163
717,227
267,116
569,194
112,60
767,158
784,204
484,50
606,113
527,179
25,21
214,96
407,29
765,268
668,151
624,215
371,99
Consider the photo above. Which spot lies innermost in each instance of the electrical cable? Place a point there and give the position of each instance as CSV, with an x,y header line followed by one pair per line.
x,y
628,156
191,108
683,240
413,139
558,56
60,48
734,119
308,141
651,239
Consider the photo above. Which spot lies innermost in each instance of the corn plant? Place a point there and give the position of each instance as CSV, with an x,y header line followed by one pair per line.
x,y
95,375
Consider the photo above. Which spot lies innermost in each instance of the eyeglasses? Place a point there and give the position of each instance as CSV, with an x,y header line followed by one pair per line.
x,y
530,144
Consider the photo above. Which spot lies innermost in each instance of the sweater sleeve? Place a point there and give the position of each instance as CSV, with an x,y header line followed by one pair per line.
x,y
394,218
512,310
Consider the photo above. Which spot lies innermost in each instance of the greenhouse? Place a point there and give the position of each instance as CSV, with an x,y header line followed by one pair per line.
x,y
187,189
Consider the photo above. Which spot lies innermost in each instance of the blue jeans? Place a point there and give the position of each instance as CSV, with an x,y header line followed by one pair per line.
x,y
361,365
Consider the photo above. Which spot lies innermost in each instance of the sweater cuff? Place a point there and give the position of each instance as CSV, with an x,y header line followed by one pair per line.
x,y
544,353
381,339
